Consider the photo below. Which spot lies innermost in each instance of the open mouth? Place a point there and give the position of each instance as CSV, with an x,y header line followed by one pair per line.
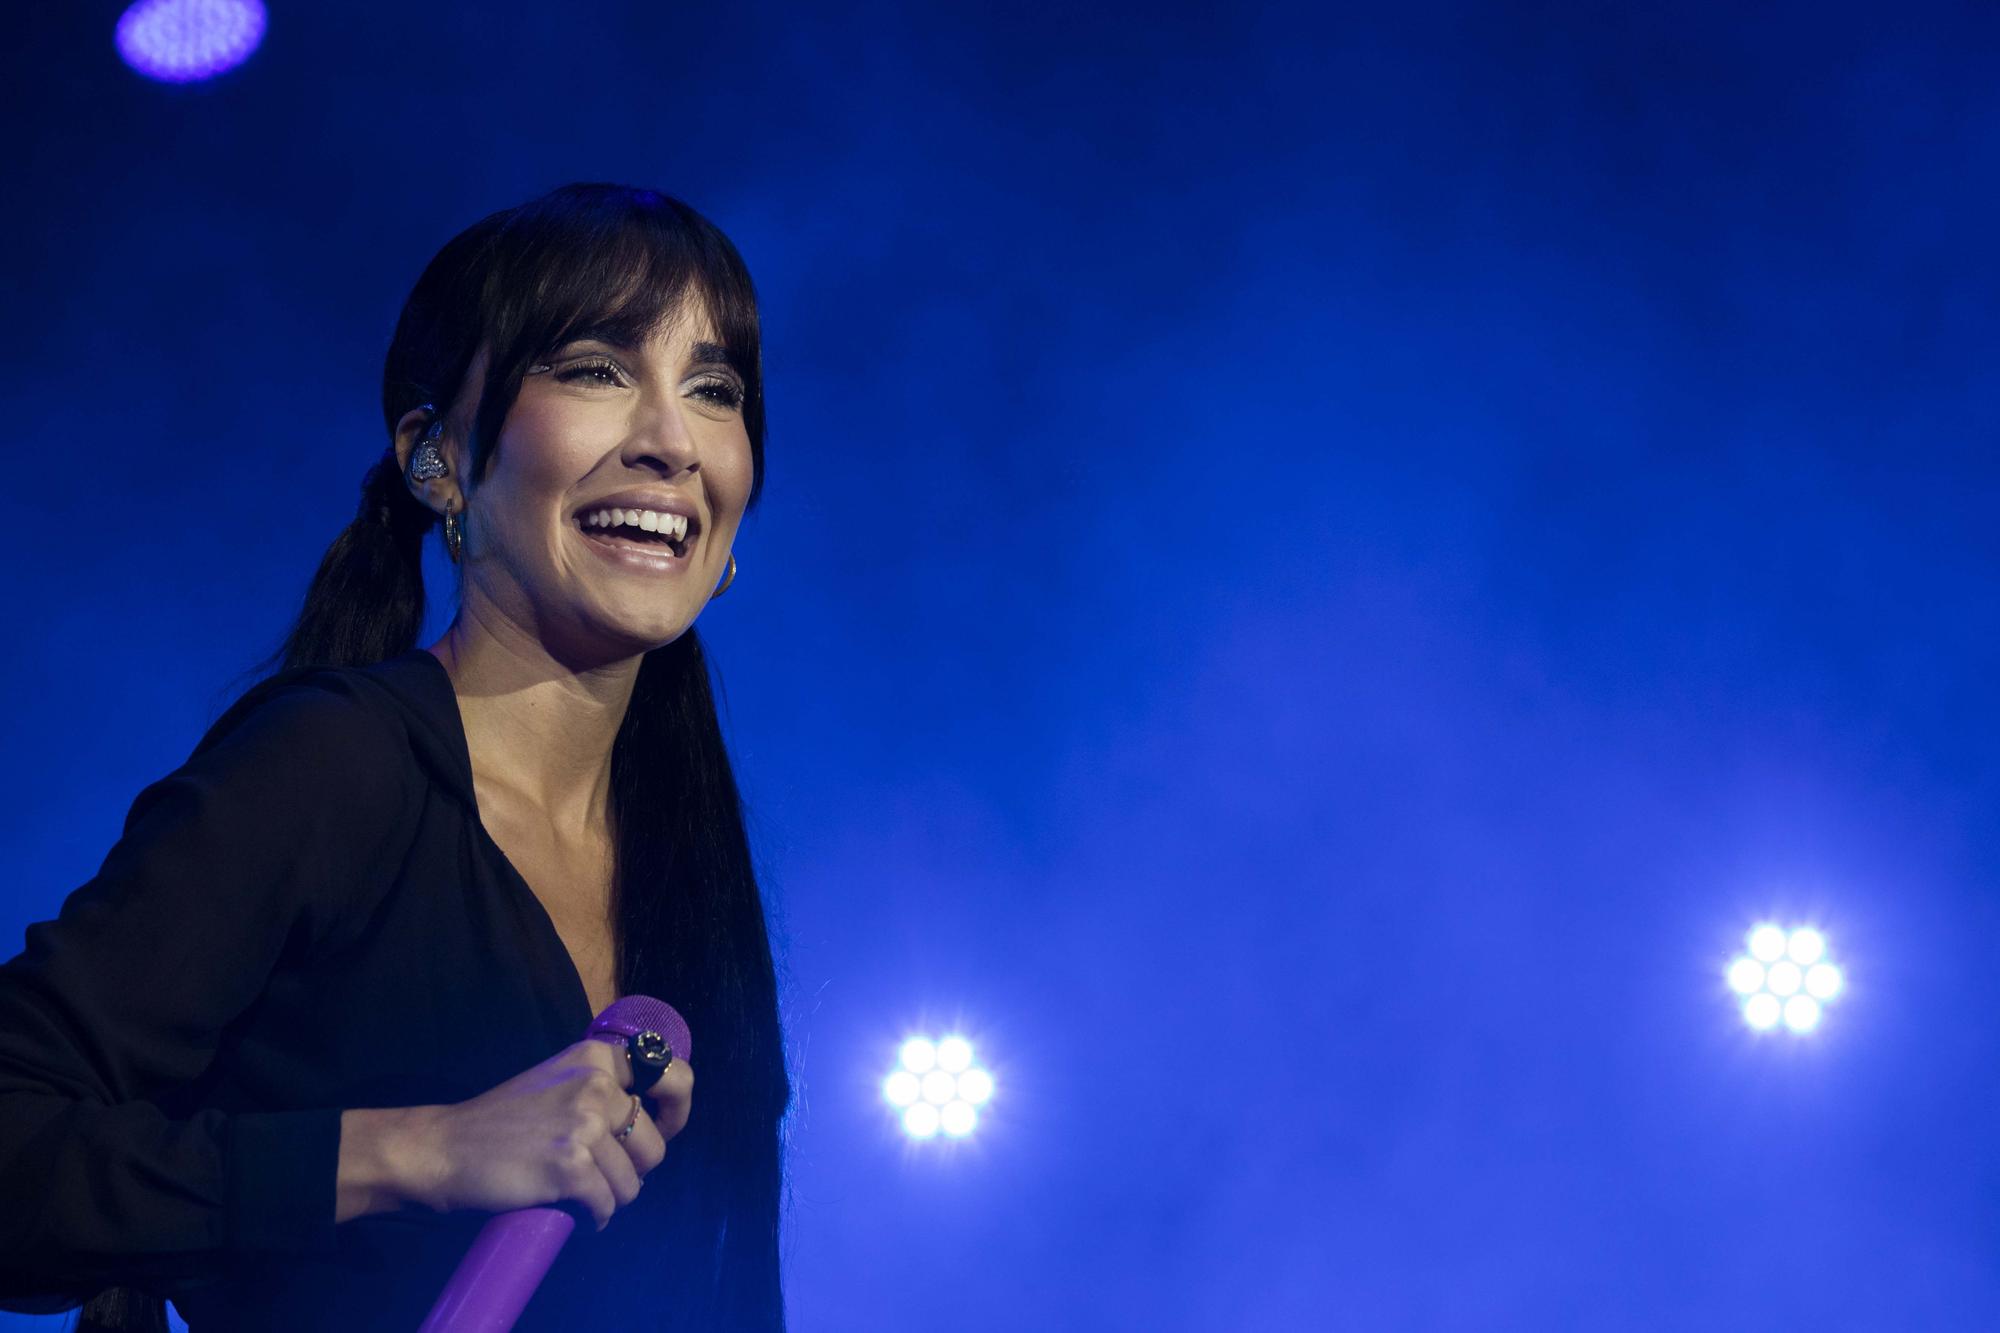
x,y
633,538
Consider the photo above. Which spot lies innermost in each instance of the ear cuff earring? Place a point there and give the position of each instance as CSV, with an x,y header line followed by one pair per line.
x,y
427,463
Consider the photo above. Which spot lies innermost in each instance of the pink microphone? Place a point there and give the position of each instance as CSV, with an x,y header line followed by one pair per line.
x,y
513,1251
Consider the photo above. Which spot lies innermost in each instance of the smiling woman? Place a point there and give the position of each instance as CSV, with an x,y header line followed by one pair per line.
x,y
613,430
357,937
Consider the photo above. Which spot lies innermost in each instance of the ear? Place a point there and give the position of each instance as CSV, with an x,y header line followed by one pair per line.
x,y
441,494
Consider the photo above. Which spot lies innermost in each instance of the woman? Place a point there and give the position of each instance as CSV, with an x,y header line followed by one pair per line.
x,y
321,1011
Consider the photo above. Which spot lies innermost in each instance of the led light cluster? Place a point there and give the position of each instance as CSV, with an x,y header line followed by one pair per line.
x,y
1786,978
937,1087
180,41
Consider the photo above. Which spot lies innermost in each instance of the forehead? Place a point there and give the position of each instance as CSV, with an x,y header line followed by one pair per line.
x,y
685,328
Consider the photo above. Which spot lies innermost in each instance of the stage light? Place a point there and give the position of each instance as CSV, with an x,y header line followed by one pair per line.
x,y
1802,1013
975,1086
1786,977
181,41
1746,976
1761,1011
901,1088
954,1055
937,1087
1767,944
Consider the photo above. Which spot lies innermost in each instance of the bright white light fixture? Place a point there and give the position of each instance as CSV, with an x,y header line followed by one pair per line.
x,y
1746,976
1767,944
1786,979
919,1055
902,1088
954,1054
937,1087
1805,947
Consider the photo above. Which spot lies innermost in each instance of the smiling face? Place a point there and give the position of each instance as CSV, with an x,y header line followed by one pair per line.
x,y
600,432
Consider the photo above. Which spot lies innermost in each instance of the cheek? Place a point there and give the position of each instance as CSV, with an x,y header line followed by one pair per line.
x,y
537,463
548,451
732,473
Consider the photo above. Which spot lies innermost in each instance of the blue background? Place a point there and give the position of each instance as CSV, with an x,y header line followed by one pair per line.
x,y
1320,567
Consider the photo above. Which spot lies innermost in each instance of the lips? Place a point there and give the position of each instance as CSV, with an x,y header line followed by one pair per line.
x,y
645,554
641,498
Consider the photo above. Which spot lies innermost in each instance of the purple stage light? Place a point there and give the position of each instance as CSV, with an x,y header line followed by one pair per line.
x,y
181,41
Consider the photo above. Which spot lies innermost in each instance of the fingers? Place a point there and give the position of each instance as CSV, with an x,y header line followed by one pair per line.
x,y
673,1098
644,1146
672,1094
610,1057
584,1180
615,1164
606,1177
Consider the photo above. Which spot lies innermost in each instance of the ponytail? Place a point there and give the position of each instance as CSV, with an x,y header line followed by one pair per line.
x,y
366,602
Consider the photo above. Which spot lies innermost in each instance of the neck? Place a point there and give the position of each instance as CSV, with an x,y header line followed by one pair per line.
x,y
538,728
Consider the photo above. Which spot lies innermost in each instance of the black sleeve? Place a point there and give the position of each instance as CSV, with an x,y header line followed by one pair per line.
x,y
244,855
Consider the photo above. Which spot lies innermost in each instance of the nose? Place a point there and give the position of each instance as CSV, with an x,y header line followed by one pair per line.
x,y
661,435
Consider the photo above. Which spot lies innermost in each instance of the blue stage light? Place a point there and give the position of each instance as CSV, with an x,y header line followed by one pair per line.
x,y
1786,978
181,41
937,1087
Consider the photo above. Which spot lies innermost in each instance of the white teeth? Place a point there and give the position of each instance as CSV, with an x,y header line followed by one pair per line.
x,y
647,520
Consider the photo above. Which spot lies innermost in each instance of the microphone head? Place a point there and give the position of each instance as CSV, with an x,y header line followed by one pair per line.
x,y
629,1015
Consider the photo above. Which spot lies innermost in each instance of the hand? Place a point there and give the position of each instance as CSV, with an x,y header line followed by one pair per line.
x,y
546,1136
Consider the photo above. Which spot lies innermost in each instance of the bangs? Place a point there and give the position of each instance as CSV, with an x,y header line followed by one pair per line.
x,y
621,271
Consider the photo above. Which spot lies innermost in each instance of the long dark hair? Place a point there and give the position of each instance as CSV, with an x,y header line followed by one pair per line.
x,y
689,916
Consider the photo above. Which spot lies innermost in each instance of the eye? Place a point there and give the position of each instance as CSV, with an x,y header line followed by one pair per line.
x,y
597,370
721,392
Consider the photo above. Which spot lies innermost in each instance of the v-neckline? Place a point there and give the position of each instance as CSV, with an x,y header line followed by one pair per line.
x,y
579,994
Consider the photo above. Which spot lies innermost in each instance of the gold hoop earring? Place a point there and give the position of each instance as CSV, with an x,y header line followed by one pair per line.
x,y
729,579
454,535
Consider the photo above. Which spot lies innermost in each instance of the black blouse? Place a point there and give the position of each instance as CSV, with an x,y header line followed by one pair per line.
x,y
307,915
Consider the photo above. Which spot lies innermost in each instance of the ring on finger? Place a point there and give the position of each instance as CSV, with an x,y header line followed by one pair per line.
x,y
630,1120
